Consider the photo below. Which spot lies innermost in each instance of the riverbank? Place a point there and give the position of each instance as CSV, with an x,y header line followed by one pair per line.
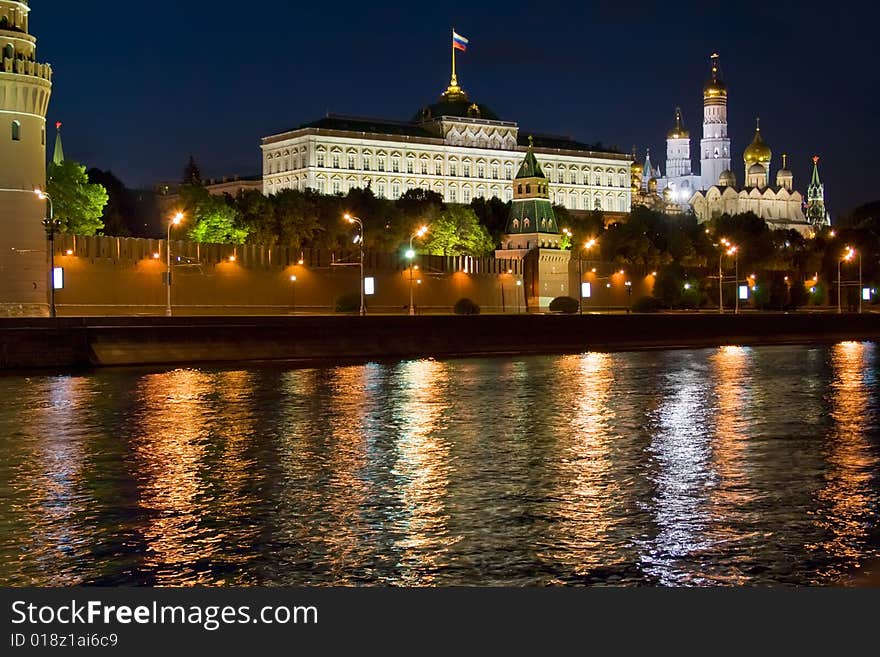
x,y
35,343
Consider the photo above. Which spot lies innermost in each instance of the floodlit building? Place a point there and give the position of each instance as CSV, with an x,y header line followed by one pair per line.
x,y
456,147
25,89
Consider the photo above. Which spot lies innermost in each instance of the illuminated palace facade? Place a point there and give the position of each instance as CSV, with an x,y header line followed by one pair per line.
x,y
456,148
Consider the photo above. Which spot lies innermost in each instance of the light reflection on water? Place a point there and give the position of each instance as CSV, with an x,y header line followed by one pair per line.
x,y
714,467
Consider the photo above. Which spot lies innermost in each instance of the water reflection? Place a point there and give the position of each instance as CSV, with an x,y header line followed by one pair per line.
x,y
849,496
682,451
729,466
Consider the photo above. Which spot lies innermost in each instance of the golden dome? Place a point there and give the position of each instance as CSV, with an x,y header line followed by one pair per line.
x,y
715,87
757,151
727,179
678,131
652,185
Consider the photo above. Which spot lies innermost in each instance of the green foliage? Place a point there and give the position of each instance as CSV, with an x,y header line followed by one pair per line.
x,y
493,214
564,306
798,295
349,303
216,223
669,285
192,174
648,305
466,307
78,204
457,231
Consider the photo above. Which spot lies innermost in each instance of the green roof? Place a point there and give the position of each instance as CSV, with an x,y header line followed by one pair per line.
x,y
530,167
538,212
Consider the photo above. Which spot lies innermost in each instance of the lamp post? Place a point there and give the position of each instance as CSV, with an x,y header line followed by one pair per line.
x,y
519,285
732,250
360,241
293,280
51,227
848,255
176,220
587,246
411,256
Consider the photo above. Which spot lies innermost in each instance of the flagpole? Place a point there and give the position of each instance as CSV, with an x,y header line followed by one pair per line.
x,y
454,78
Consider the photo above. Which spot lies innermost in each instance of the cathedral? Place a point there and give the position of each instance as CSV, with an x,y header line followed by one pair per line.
x,y
714,190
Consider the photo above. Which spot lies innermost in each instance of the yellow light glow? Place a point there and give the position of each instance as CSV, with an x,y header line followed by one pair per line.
x,y
156,256
177,219
232,258
69,251
293,279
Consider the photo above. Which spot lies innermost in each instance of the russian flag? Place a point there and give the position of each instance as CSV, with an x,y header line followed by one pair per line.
x,y
459,42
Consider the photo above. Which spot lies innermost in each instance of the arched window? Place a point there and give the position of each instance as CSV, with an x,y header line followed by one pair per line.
x,y
527,223
395,190
8,51
528,189
516,224
519,189
16,131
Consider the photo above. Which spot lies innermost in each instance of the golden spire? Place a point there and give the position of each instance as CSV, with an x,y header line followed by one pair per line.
x,y
454,91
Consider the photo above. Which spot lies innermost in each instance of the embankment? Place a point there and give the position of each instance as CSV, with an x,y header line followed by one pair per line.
x,y
117,341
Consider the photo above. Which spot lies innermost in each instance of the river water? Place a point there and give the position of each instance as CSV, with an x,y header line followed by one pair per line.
x,y
729,466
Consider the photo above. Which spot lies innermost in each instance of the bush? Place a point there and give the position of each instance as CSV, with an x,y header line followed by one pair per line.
x,y
349,303
564,306
466,307
648,305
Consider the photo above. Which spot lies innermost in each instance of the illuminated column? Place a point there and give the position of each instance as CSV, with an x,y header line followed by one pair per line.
x,y
25,88
715,146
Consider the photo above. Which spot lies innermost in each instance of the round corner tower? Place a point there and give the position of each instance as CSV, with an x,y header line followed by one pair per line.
x,y
25,88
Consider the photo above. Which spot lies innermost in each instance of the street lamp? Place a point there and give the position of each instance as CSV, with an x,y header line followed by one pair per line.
x,y
519,285
848,254
293,280
732,250
176,220
360,242
411,256
51,227
589,244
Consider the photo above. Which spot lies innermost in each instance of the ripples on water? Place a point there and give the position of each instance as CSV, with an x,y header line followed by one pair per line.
x,y
730,466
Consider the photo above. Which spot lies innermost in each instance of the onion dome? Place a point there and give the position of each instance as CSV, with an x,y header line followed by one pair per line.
x,y
652,185
756,170
715,89
727,179
678,131
758,151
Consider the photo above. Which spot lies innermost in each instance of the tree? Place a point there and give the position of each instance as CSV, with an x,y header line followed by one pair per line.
x,y
121,212
217,223
457,231
78,204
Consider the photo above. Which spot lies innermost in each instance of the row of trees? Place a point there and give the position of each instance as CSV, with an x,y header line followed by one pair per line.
x,y
310,220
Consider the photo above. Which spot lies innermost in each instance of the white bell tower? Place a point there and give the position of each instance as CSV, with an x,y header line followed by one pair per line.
x,y
715,147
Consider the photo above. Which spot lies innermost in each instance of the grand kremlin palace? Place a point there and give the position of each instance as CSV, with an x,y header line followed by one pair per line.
x,y
455,147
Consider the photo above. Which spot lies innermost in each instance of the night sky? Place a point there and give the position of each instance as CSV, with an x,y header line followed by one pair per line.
x,y
141,85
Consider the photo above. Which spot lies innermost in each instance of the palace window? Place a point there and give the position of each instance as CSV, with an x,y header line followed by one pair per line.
x,y
467,169
335,161
481,170
528,189
381,190
395,190
382,163
516,224
337,187
519,189
409,166
395,165
350,161
527,223
438,169
424,167
508,171
508,195
495,172
320,159
466,195
453,169
366,161
453,195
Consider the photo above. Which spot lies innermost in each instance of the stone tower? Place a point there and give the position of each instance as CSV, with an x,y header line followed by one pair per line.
x,y
533,236
817,214
678,149
715,146
25,88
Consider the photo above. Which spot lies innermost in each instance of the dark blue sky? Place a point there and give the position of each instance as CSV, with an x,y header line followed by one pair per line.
x,y
141,85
